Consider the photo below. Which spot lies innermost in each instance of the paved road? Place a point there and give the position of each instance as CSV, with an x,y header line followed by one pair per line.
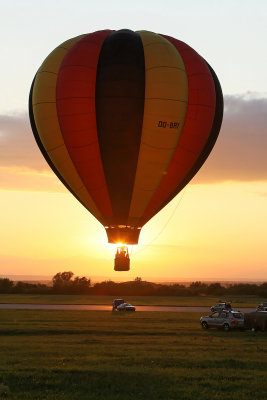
x,y
88,307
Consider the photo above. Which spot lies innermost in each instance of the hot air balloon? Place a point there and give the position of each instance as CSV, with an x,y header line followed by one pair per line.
x,y
125,120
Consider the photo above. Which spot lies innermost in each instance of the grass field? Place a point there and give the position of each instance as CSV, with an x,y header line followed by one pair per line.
x,y
237,301
79,355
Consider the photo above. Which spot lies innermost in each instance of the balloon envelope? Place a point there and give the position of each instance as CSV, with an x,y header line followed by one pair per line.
x,y
125,119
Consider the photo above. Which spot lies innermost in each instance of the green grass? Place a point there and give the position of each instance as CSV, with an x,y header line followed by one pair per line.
x,y
80,355
237,301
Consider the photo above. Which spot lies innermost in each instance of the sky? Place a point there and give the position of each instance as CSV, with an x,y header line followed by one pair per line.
x,y
215,229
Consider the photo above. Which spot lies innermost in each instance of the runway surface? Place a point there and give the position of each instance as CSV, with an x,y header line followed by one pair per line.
x,y
87,307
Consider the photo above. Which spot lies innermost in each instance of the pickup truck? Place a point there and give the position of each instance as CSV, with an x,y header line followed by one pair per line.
x,y
256,320
116,303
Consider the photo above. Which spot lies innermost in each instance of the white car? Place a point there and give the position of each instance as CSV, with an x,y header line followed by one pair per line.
x,y
262,306
126,307
221,306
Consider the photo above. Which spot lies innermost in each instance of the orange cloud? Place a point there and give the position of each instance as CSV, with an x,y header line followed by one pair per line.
x,y
240,151
18,147
22,166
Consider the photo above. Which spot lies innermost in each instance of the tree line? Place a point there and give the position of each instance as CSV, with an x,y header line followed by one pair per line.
x,y
66,283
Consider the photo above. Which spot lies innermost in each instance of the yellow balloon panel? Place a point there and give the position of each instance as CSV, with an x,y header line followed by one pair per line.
x,y
166,100
162,83
44,88
46,116
47,124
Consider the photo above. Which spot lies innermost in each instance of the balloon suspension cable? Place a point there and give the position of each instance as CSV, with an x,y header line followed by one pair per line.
x,y
164,226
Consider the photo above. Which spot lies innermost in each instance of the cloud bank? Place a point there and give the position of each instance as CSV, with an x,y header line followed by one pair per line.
x,y
18,147
240,153
22,166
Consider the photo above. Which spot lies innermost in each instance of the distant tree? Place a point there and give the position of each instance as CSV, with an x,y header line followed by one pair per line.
x,y
215,289
62,277
262,290
30,288
81,285
62,281
105,288
197,287
6,285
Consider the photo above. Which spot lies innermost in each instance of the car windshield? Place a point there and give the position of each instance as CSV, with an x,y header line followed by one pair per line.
x,y
214,315
237,315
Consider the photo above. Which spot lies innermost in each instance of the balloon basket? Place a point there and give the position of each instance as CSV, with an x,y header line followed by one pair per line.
x,y
122,259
